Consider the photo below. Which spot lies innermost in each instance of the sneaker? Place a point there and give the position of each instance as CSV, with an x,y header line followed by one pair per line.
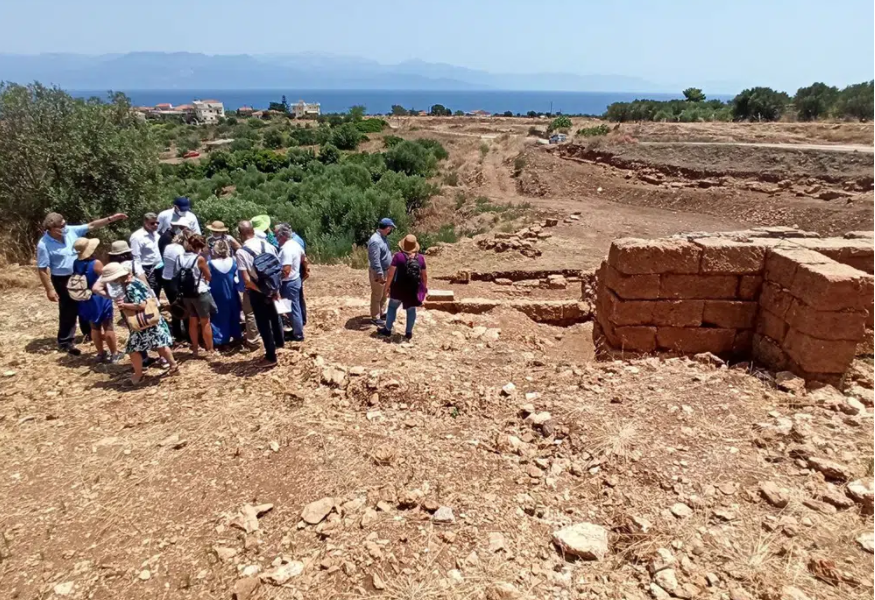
x,y
378,322
408,335
101,357
383,332
72,351
116,358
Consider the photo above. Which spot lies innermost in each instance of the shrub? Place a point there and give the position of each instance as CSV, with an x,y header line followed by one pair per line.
x,y
536,131
392,140
274,138
434,147
241,144
329,154
345,137
484,150
759,104
597,130
560,123
814,101
519,163
856,101
694,95
451,178
371,125
411,158
445,235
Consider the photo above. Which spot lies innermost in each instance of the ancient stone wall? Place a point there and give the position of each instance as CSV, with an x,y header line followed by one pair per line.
x,y
786,298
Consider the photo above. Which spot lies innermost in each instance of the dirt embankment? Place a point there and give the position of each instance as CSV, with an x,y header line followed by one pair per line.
x,y
770,165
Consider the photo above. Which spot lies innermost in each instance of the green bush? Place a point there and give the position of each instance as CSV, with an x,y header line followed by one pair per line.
x,y
519,163
371,125
692,94
345,137
759,104
329,154
560,123
391,141
84,159
856,101
274,138
445,235
594,131
814,101
410,158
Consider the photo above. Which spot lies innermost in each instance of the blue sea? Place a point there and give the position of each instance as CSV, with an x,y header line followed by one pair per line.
x,y
381,101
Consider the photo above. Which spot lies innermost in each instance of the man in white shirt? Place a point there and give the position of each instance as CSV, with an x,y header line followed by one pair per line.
x,y
181,213
261,307
145,252
292,257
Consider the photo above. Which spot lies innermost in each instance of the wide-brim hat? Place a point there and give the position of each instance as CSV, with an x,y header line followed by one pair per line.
x,y
84,247
217,227
119,247
113,271
260,223
409,244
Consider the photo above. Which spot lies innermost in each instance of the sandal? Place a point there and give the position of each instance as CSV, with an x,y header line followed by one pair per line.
x,y
172,370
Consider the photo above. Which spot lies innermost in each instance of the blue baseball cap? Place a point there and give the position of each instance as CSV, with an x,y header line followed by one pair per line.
x,y
387,222
182,203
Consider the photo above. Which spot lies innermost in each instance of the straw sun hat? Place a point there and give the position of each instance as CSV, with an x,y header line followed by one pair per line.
x,y
113,271
84,247
409,244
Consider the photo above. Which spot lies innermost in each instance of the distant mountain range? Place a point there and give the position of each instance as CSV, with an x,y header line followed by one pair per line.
x,y
186,70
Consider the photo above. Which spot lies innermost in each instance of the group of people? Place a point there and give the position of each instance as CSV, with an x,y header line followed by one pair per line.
x,y
210,283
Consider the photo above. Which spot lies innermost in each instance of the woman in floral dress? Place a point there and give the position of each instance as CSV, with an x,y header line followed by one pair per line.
x,y
134,296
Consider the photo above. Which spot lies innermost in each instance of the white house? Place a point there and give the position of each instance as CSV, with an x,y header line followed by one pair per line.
x,y
306,109
208,111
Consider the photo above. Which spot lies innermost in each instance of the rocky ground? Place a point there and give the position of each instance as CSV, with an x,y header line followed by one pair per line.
x,y
491,458
487,459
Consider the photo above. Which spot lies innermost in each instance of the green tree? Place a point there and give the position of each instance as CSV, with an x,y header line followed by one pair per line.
x,y
439,110
458,113
759,104
814,101
84,159
507,113
274,138
398,110
531,114
856,101
356,113
410,158
692,94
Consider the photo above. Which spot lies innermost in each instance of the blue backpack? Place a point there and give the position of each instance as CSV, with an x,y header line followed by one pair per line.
x,y
268,270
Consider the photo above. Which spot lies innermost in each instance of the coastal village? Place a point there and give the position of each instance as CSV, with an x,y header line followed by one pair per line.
x,y
210,111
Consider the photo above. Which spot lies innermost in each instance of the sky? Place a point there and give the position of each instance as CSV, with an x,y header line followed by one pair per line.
x,y
779,43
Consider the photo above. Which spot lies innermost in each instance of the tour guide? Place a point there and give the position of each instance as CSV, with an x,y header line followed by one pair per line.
x,y
379,257
54,260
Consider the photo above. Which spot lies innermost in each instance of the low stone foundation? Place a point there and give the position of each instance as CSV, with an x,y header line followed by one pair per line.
x,y
790,300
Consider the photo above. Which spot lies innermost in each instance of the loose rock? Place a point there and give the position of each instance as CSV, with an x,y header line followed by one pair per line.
x,y
314,512
583,540
443,515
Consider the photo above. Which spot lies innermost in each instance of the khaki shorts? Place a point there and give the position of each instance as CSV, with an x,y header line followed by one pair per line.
x,y
201,307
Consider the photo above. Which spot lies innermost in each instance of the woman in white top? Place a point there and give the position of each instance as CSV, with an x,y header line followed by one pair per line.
x,y
193,277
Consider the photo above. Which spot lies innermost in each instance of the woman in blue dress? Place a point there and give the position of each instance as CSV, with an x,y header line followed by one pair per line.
x,y
96,310
225,286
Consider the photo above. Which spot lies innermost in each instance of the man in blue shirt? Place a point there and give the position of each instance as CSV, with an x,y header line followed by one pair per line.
x,y
379,259
54,261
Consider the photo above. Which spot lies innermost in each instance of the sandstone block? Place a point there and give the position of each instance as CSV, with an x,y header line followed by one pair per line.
x,y
677,313
775,299
627,312
726,256
771,325
818,356
630,339
749,287
698,286
631,287
827,325
730,314
768,353
831,286
781,263
857,253
692,340
632,256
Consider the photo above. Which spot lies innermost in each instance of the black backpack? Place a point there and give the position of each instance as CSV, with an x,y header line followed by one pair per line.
x,y
188,279
412,271
267,270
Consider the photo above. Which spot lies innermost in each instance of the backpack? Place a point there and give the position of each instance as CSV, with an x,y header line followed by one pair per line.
x,y
413,271
267,269
188,279
77,286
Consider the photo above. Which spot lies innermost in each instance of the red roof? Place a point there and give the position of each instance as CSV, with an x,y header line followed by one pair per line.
x,y
185,107
164,105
